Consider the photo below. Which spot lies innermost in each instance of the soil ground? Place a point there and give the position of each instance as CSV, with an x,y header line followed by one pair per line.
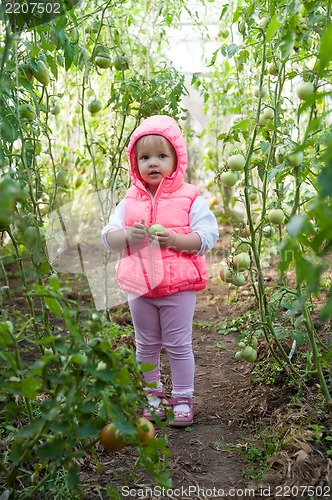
x,y
225,454
250,439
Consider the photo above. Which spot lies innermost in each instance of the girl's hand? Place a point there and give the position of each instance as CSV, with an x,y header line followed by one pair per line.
x,y
137,232
166,239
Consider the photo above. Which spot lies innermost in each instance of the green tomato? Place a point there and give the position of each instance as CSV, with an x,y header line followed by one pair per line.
x,y
236,162
102,50
295,159
244,246
272,69
121,63
55,110
280,154
103,61
61,178
27,111
276,216
238,279
78,181
245,232
263,22
263,121
253,195
304,90
252,358
228,178
224,33
5,221
268,113
155,228
249,354
26,70
254,342
241,261
238,356
242,345
226,274
268,231
41,73
10,188
259,91
94,106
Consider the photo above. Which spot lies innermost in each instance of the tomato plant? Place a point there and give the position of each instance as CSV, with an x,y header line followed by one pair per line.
x,y
277,95
72,90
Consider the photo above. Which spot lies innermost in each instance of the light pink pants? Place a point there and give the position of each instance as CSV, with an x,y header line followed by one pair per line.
x,y
167,322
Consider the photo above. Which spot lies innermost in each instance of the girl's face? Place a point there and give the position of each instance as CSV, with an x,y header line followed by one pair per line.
x,y
156,159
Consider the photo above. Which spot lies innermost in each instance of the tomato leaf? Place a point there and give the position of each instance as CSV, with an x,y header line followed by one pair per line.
x,y
87,430
30,429
295,225
53,305
51,449
69,52
72,476
300,337
325,182
326,311
272,27
287,44
232,49
325,54
30,387
16,452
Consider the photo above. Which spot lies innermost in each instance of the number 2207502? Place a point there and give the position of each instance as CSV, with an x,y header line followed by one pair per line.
x,y
301,491
46,7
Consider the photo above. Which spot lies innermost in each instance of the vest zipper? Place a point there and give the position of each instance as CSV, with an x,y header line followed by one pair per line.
x,y
153,220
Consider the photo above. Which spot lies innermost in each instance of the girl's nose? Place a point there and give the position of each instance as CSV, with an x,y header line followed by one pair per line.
x,y
153,161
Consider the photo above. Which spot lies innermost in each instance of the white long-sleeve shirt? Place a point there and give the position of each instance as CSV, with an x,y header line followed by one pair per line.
x,y
202,221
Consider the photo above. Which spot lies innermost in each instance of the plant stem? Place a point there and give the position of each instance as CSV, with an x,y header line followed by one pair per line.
x,y
317,357
263,302
24,280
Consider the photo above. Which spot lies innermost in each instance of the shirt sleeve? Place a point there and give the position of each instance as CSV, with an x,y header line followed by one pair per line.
x,y
116,221
204,222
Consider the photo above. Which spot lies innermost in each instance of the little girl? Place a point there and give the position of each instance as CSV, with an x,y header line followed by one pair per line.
x,y
163,271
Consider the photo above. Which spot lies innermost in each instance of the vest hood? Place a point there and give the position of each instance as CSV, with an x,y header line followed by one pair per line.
x,y
167,127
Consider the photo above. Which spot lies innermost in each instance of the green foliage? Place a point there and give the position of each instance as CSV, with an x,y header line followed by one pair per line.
x,y
61,384
54,408
272,75
53,149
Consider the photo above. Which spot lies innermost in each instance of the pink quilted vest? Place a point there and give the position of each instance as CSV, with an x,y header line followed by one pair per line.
x,y
147,269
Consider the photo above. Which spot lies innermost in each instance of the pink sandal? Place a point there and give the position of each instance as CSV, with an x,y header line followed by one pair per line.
x,y
182,418
158,411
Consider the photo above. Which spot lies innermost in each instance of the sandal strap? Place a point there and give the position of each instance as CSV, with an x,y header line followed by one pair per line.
x,y
180,401
157,394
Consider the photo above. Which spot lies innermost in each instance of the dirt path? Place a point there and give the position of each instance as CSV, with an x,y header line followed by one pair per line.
x,y
233,412
203,459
